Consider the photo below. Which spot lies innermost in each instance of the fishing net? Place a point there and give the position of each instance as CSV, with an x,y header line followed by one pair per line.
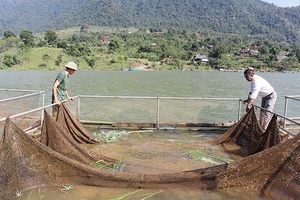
x,y
27,163
62,141
72,126
273,172
249,135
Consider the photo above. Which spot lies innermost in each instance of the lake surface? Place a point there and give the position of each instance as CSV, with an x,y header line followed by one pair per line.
x,y
156,84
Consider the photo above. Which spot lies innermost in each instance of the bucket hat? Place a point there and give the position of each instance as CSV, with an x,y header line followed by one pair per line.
x,y
71,65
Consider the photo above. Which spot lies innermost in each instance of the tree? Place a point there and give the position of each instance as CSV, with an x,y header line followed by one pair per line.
x,y
91,60
297,52
10,60
8,34
264,50
114,45
10,40
79,50
73,51
47,58
50,37
23,49
144,48
62,44
58,60
217,51
27,38
84,29
194,46
74,38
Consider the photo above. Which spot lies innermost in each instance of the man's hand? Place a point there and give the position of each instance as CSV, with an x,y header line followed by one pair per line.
x,y
57,102
249,104
248,107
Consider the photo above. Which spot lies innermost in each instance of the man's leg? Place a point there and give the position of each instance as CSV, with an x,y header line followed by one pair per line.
x,y
268,103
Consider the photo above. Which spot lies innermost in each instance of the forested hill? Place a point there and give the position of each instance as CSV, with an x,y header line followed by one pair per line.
x,y
251,17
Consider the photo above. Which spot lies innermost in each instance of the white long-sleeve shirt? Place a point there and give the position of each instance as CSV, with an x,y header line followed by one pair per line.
x,y
260,87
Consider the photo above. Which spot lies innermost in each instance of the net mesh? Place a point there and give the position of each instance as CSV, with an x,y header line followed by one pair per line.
x,y
71,126
273,172
249,135
14,102
59,160
61,139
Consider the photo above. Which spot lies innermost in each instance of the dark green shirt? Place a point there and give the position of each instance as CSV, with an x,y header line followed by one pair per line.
x,y
62,87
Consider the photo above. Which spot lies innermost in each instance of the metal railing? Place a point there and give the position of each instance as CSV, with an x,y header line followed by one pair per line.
x,y
28,93
288,125
291,119
157,108
286,102
29,120
21,101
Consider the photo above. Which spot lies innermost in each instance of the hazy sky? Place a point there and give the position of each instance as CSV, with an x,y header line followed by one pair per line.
x,y
284,3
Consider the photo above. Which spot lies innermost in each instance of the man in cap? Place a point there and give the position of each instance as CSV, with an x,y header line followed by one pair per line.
x,y
260,87
59,89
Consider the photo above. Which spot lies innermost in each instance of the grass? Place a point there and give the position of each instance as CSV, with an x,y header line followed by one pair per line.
x,y
40,196
67,188
110,136
117,166
28,197
137,194
34,60
206,155
134,195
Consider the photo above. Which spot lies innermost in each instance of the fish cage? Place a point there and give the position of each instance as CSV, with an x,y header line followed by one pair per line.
x,y
165,148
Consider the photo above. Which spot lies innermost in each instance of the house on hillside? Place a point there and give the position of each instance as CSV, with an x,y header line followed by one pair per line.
x,y
105,40
247,53
280,58
253,53
242,52
198,58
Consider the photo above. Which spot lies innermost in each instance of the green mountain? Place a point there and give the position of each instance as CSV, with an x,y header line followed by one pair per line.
x,y
250,17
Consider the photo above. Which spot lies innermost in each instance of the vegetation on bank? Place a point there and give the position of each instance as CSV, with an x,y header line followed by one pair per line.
x,y
100,48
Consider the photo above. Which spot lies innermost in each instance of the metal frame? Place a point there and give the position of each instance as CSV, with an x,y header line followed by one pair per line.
x,y
34,92
158,102
297,98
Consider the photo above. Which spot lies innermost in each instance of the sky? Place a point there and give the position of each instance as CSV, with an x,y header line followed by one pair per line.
x,y
284,3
